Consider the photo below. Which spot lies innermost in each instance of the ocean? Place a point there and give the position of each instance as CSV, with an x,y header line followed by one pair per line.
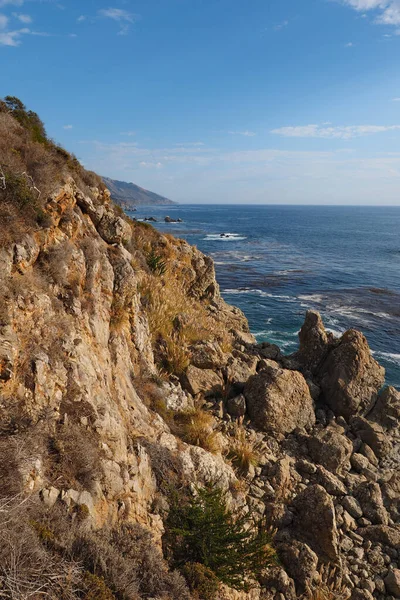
x,y
276,262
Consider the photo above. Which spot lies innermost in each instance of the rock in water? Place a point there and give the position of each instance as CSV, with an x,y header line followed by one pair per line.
x,y
279,401
350,377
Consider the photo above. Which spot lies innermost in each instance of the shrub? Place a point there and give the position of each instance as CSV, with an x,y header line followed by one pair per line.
x,y
156,263
204,530
201,581
96,588
242,452
74,456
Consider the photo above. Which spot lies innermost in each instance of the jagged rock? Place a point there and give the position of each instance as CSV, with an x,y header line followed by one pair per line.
x,y
386,411
278,579
373,435
330,482
315,521
8,353
300,562
270,351
314,342
370,498
352,506
204,381
26,253
359,462
331,449
382,534
236,407
114,230
279,400
240,367
207,355
350,378
50,496
392,582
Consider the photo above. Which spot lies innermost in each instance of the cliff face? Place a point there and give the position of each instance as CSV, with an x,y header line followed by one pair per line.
x,y
125,379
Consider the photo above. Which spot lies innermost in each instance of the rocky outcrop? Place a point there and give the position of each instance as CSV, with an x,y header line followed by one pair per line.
x,y
350,378
80,362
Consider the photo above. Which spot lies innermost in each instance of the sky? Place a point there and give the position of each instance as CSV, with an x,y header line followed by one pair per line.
x,y
217,101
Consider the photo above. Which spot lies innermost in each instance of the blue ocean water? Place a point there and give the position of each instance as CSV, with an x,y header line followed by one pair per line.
x,y
279,261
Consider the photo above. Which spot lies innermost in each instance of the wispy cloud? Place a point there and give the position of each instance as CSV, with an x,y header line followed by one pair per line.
x,y
23,18
123,17
282,25
349,45
3,21
396,100
11,2
128,133
387,11
68,127
344,133
244,133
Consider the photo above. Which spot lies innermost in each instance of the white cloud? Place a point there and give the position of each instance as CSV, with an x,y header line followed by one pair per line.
x,y
245,133
23,18
349,45
68,126
81,19
396,100
121,16
128,133
12,38
344,133
388,11
3,21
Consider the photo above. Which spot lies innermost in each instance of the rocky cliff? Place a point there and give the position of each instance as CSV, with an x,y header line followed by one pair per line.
x,y
126,381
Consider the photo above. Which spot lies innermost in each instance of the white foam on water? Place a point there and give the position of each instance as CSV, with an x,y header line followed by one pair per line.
x,y
389,356
312,298
225,237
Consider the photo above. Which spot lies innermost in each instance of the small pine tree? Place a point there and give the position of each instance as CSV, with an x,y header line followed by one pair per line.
x,y
204,530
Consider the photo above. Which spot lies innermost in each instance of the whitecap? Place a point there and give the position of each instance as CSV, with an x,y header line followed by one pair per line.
x,y
389,356
312,298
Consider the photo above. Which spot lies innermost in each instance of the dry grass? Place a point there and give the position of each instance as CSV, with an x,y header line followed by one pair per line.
x,y
196,427
330,586
242,452
177,321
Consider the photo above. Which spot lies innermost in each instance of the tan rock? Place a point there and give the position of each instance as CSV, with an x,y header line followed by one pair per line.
x,y
350,377
279,401
315,521
204,381
331,449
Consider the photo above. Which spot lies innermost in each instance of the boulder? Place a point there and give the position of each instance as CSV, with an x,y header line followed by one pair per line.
x,y
279,401
240,367
314,342
350,378
207,355
236,407
386,411
392,582
300,562
331,449
372,434
382,534
204,381
114,230
370,498
315,521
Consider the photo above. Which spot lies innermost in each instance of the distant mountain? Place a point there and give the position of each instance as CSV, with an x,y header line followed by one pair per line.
x,y
129,195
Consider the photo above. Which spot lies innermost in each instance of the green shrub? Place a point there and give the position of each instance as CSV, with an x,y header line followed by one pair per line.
x,y
204,530
156,263
202,582
96,588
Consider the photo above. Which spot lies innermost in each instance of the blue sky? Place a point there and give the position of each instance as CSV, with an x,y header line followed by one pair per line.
x,y
258,101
